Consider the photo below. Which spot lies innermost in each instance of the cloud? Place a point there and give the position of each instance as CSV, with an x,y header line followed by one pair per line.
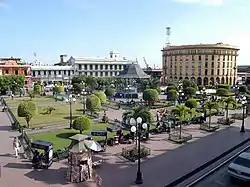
x,y
203,2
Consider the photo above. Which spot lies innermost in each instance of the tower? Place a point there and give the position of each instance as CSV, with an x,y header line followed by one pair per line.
x,y
168,33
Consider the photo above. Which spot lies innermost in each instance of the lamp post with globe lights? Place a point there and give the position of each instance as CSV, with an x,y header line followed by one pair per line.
x,y
243,102
70,100
137,128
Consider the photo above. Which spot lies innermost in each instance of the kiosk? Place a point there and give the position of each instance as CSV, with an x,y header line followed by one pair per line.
x,y
104,133
48,151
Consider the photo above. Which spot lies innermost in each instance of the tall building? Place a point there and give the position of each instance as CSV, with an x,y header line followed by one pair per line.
x,y
15,66
89,66
203,63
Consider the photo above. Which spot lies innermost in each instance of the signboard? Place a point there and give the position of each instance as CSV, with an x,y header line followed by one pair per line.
x,y
99,133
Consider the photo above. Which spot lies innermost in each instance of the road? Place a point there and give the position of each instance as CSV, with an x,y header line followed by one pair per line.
x,y
220,178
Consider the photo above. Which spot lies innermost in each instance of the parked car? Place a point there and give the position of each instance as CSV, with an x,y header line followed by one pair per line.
x,y
240,167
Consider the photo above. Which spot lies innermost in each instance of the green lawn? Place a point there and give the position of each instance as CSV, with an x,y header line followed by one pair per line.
x,y
38,100
60,138
57,117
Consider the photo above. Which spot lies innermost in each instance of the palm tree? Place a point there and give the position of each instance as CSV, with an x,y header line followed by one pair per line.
x,y
182,112
139,111
210,105
227,102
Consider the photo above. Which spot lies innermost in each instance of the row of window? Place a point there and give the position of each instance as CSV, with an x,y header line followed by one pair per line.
x,y
15,72
106,67
200,72
101,74
202,51
50,72
229,64
202,57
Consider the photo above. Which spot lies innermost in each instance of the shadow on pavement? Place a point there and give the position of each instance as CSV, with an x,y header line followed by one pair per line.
x,y
49,176
7,155
5,128
18,166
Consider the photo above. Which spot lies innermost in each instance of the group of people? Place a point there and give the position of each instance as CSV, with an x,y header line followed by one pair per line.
x,y
37,160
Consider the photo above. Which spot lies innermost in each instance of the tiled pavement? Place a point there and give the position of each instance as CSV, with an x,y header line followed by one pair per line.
x,y
167,162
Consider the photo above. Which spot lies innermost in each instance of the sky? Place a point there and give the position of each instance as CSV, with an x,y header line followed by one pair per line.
x,y
135,28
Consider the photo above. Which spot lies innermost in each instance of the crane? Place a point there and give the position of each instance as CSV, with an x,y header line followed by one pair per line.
x,y
147,66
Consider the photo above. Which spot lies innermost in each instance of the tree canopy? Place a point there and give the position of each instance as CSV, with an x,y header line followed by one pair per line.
x,y
82,123
27,110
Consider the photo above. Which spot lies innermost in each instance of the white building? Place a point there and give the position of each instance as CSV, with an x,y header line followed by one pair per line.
x,y
89,66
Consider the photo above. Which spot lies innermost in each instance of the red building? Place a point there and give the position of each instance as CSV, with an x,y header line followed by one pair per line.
x,y
14,66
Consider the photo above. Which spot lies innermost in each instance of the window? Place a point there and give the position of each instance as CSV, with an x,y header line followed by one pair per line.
x,y
44,72
199,57
212,57
96,66
101,74
85,66
212,72
64,72
116,66
101,67
106,66
96,74
223,72
106,74
49,72
218,72
110,67
212,64
206,64
90,66
34,73
80,67
16,72
91,73
224,57
206,57
205,71
223,64
25,72
54,72
39,72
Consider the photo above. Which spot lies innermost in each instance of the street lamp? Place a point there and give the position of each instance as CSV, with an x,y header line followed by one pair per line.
x,y
243,102
138,129
83,104
70,100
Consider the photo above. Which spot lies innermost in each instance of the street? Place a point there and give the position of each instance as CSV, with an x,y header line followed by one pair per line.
x,y
221,178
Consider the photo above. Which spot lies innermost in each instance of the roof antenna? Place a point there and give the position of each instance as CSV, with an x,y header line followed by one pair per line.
x,y
168,33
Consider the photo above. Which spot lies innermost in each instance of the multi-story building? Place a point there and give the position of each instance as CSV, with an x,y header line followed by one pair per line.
x,y
89,66
203,63
243,73
14,66
154,73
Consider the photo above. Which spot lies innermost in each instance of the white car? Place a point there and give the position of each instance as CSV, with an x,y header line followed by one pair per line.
x,y
240,167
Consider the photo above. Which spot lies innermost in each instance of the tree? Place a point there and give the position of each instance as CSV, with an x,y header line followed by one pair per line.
x,y
225,86
222,92
210,105
182,112
37,88
191,103
172,94
172,88
90,83
150,96
109,92
81,123
101,96
78,87
31,95
140,111
227,103
93,103
11,82
27,110
188,83
190,91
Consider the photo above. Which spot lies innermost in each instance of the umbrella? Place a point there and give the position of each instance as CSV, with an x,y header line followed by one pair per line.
x,y
93,145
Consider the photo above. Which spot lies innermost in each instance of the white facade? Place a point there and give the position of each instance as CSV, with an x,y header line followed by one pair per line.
x,y
89,66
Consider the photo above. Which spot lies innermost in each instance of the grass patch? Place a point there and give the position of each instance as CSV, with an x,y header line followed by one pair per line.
x,y
59,116
38,100
60,138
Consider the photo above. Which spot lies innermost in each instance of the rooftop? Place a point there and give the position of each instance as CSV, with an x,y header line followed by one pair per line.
x,y
133,71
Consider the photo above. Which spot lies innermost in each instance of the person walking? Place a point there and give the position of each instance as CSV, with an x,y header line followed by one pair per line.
x,y
16,146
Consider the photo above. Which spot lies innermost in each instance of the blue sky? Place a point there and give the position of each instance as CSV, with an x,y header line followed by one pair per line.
x,y
135,28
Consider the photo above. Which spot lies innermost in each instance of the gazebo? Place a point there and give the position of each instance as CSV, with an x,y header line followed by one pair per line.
x,y
133,71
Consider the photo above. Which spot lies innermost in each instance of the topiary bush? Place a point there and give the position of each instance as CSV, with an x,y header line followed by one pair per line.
x,y
222,92
110,92
27,110
190,91
225,86
150,96
81,123
172,94
101,96
37,88
191,103
171,88
93,103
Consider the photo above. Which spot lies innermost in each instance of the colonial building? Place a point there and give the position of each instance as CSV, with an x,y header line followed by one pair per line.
x,y
243,73
89,66
203,63
14,66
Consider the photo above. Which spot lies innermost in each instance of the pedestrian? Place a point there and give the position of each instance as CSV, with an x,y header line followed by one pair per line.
x,y
16,146
157,116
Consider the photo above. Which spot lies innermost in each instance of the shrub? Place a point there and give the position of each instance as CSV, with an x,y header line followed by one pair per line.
x,y
27,110
171,88
188,83
225,86
191,103
81,123
49,110
172,94
31,95
37,88
190,91
222,92
150,96
101,96
93,103
109,92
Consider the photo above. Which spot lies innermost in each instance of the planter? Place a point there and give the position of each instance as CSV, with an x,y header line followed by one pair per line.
x,y
174,137
225,121
131,152
206,127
